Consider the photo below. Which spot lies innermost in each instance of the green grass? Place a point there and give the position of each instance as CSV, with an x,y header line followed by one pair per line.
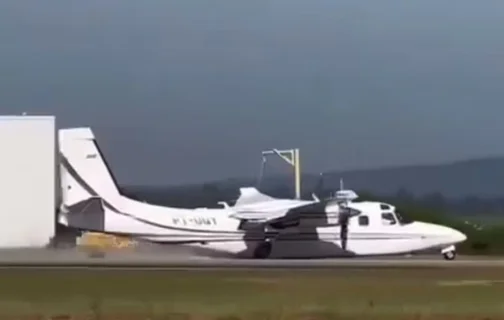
x,y
450,293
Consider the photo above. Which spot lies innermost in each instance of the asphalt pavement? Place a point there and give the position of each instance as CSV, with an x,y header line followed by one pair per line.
x,y
182,258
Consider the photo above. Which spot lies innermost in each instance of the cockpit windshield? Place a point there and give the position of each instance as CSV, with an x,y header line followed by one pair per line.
x,y
388,218
403,219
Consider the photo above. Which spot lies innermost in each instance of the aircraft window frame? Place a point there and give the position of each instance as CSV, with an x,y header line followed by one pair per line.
x,y
384,206
360,221
393,221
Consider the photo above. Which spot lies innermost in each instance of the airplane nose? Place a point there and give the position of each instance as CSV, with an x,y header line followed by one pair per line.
x,y
445,234
458,236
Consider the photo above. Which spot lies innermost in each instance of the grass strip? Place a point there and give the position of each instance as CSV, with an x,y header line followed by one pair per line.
x,y
359,293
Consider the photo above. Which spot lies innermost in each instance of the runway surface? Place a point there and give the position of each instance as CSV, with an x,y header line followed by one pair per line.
x,y
177,258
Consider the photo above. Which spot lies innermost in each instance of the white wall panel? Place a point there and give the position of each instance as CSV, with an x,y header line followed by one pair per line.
x,y
27,180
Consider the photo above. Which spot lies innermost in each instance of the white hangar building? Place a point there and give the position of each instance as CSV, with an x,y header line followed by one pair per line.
x,y
29,183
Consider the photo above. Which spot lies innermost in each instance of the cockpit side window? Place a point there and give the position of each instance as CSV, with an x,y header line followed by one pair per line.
x,y
363,220
388,218
403,219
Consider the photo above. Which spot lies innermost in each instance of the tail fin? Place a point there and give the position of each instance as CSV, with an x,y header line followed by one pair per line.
x,y
84,172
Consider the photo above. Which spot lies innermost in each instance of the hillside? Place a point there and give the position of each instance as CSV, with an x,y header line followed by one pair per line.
x,y
479,177
463,187
482,178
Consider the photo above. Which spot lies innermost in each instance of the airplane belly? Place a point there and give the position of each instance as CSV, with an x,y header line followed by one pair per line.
x,y
232,248
382,246
388,246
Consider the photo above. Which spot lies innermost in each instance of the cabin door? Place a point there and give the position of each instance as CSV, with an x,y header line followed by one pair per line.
x,y
355,224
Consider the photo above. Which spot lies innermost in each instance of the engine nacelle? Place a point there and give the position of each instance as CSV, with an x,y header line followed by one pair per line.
x,y
346,195
334,209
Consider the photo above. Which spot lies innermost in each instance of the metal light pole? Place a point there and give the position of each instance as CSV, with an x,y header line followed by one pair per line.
x,y
291,156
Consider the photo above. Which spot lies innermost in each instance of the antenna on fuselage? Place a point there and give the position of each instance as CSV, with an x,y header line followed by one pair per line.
x,y
343,197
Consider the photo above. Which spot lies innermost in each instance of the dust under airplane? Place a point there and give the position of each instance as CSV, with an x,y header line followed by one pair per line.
x,y
256,226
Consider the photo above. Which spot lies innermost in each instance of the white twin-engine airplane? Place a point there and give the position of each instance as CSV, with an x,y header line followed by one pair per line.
x,y
256,226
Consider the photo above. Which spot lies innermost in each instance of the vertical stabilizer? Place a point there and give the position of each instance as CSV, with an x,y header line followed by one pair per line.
x,y
84,172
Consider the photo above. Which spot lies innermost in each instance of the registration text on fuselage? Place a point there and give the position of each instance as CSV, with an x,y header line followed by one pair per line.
x,y
195,221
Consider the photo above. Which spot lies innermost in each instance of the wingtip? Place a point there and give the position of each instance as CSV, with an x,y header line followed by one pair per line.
x,y
248,190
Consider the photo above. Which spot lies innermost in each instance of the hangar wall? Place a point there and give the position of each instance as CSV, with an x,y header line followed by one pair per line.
x,y
27,180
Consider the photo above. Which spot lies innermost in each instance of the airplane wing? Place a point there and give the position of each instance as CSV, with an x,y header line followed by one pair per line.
x,y
328,209
250,195
258,215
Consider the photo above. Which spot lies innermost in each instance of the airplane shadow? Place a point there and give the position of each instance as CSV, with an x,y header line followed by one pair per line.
x,y
290,249
291,241
303,243
310,249
307,244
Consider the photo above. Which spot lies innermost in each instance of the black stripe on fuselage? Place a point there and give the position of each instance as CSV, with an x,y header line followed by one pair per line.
x,y
302,236
71,170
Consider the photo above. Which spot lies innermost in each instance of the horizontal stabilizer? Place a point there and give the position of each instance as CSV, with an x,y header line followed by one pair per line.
x,y
88,206
88,214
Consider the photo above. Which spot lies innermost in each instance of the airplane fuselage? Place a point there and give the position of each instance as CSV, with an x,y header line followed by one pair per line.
x,y
212,231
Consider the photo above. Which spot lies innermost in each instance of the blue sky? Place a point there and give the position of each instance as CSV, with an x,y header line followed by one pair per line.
x,y
191,90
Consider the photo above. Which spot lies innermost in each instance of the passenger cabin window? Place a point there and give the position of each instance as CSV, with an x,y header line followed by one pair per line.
x,y
388,218
363,220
